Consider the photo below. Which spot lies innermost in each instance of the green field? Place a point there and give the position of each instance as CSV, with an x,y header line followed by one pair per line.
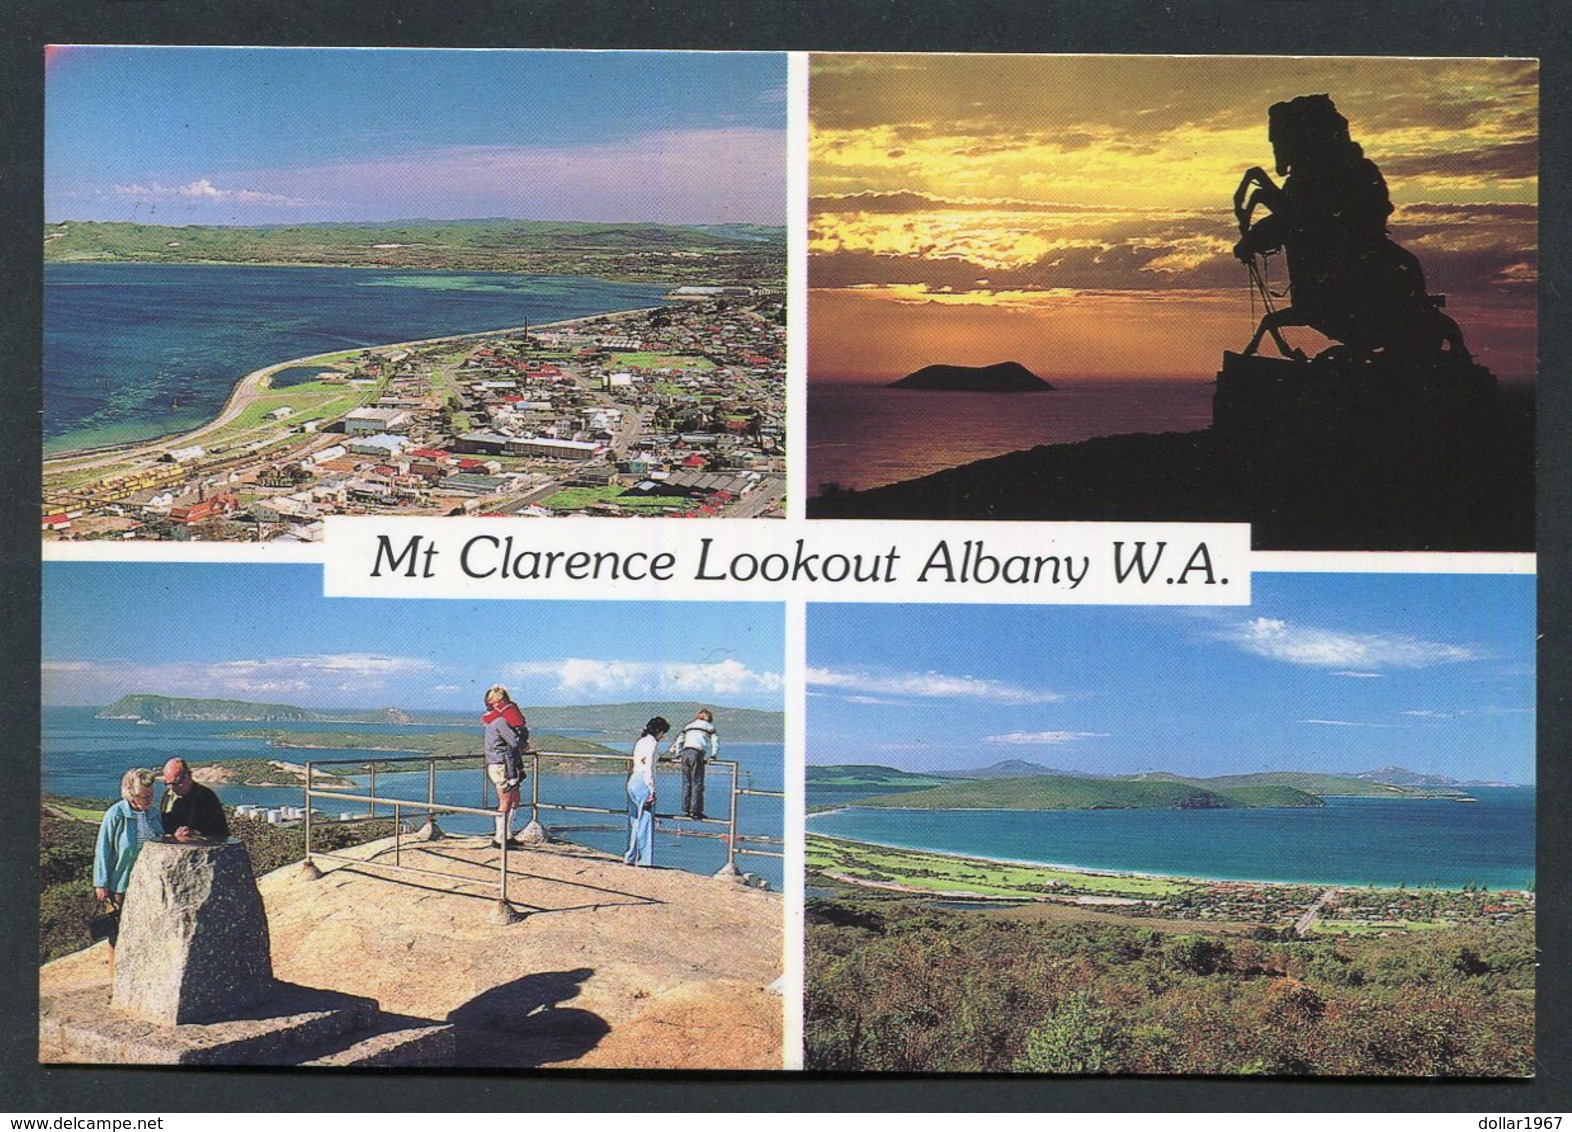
x,y
1375,927
646,359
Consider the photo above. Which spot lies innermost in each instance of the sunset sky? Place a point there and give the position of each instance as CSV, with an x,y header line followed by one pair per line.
x,y
1075,213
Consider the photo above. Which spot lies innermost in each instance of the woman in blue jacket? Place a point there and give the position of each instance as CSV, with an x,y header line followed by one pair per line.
x,y
126,826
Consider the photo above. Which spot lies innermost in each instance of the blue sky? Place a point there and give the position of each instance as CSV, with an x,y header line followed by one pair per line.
x,y
266,633
1342,673
172,135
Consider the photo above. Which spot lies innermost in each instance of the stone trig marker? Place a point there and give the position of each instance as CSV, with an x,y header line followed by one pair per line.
x,y
194,982
193,941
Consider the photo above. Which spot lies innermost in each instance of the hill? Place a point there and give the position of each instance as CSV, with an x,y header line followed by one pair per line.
x,y
1010,768
615,720
1057,792
159,708
1002,377
1402,776
866,776
650,252
1322,785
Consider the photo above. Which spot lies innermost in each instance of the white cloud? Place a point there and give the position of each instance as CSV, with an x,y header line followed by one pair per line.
x,y
247,678
605,677
204,191
928,685
1039,738
1343,723
1362,675
1330,648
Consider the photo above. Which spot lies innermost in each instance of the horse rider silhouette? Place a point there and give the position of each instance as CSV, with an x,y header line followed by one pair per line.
x,y
1346,277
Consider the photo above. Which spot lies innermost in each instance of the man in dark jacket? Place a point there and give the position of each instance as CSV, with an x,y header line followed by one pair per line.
x,y
190,811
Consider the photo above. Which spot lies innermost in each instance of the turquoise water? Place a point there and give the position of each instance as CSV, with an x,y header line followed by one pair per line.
x,y
85,757
135,351
1354,841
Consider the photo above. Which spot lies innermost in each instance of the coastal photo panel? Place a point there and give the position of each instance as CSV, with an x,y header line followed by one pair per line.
x,y
1294,292
1296,839
282,284
407,834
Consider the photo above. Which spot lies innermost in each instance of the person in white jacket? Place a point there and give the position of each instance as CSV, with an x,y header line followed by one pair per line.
x,y
696,743
641,794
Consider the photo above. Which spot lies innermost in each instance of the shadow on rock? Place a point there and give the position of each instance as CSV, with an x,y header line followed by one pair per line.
x,y
523,1023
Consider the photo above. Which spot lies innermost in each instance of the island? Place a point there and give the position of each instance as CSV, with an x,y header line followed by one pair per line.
x,y
1001,377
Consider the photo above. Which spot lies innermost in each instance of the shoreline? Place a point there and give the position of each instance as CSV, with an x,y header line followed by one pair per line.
x,y
1085,870
250,385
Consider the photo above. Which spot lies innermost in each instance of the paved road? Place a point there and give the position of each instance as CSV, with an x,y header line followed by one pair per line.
x,y
1306,923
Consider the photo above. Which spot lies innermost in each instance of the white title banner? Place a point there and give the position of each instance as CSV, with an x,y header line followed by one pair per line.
x,y
758,560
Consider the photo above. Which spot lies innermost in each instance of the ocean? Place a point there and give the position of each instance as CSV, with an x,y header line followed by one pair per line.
x,y
134,351
1349,841
862,436
85,757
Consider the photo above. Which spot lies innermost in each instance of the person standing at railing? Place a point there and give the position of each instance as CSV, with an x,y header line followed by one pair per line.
x,y
507,735
696,743
641,794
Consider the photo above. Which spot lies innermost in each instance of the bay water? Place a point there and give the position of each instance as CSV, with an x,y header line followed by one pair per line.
x,y
862,436
134,351
1348,841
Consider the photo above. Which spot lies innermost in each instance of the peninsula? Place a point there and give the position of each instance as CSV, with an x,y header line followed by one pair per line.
x,y
620,720
1020,788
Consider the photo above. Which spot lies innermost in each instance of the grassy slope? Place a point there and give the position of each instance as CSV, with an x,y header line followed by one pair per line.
x,y
864,775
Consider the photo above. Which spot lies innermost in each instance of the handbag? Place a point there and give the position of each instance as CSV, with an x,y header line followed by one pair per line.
x,y
105,924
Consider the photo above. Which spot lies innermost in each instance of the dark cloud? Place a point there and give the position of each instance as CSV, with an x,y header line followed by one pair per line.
x,y
903,202
1496,264
1508,161
1427,210
1141,98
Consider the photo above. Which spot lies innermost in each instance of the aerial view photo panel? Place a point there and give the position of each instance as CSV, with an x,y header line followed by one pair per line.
x,y
282,284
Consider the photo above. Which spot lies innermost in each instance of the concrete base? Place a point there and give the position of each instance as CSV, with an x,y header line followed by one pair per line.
x,y
533,834
503,914
729,871
394,1045
289,1028
431,831
309,870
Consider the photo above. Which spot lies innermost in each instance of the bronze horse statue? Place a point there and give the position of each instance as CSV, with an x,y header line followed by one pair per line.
x,y
1346,277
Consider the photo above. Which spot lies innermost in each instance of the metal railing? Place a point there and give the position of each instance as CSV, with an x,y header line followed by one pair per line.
x,y
762,845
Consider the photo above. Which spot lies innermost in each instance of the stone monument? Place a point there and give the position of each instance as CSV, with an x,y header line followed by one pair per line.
x,y
193,938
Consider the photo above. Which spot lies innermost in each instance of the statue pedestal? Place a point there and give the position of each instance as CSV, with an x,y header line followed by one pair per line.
x,y
193,943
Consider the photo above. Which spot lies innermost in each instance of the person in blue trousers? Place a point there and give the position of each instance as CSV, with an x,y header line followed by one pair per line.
x,y
641,794
128,825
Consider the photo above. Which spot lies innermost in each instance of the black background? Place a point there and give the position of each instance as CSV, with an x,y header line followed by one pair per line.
x,y
1286,27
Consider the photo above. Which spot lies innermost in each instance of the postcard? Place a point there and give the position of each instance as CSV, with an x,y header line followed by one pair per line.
x,y
1136,677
